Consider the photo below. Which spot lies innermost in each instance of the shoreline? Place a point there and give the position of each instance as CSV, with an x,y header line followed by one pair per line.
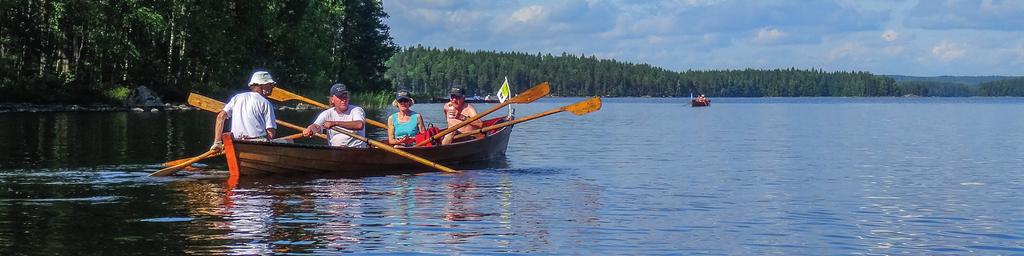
x,y
39,108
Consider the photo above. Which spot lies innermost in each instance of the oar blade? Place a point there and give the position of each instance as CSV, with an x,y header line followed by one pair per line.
x,y
584,107
205,103
538,91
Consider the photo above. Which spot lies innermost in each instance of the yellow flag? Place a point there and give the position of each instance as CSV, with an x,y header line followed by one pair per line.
x,y
504,91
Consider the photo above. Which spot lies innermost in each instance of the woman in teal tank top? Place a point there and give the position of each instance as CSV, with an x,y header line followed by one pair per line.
x,y
405,124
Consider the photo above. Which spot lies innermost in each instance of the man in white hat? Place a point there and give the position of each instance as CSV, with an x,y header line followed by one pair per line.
x,y
342,115
252,115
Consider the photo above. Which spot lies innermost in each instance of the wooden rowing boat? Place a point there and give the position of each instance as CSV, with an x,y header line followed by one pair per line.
x,y
256,158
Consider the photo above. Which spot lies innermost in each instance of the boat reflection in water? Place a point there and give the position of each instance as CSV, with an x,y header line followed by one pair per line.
x,y
329,213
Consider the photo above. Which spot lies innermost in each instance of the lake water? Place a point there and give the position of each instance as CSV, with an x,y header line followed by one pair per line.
x,y
782,176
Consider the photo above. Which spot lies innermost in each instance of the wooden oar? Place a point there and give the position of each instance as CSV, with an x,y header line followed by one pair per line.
x,y
173,169
215,106
538,91
179,161
578,108
205,103
396,151
279,94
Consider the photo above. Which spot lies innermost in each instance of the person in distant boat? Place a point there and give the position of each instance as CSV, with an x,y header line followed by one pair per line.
x,y
702,99
342,115
252,115
456,111
404,124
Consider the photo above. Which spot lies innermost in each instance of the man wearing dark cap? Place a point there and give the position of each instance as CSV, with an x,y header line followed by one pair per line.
x,y
348,117
456,111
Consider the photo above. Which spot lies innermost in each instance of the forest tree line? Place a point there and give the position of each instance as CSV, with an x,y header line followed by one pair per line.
x,y
432,71
1010,87
71,51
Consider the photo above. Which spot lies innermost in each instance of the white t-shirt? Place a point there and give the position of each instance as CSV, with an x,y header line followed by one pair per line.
x,y
354,113
250,115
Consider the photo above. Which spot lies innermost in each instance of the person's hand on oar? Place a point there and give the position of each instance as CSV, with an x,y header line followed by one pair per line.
x,y
217,145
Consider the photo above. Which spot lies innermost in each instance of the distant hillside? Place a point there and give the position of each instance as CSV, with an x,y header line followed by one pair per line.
x,y
967,80
1008,87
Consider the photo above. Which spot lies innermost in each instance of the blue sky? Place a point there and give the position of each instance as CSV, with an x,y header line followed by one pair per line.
x,y
921,38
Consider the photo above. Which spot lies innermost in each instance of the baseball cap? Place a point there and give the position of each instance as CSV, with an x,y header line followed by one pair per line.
x,y
339,89
403,94
456,91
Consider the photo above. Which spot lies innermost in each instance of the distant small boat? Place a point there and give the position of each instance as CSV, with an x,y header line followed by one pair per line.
x,y
695,103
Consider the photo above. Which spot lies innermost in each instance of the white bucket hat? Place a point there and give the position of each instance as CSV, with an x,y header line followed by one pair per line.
x,y
261,77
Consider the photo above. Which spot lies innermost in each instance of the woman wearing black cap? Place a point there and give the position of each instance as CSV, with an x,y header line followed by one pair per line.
x,y
405,124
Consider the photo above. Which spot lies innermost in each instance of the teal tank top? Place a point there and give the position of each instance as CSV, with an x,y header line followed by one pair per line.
x,y
407,129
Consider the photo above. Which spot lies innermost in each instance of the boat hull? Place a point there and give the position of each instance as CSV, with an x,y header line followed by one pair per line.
x,y
695,103
260,158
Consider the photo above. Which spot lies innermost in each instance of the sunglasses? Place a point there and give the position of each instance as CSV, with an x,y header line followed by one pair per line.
x,y
404,100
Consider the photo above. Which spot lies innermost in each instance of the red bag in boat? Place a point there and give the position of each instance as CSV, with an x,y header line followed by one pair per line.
x,y
427,135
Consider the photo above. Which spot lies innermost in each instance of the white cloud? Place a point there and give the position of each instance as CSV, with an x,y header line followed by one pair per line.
x,y
528,13
947,51
768,35
890,35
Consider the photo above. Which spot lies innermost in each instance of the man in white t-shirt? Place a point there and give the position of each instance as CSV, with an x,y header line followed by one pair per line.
x,y
252,115
351,118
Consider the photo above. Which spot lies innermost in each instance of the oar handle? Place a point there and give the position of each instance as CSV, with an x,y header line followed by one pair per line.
x,y
296,127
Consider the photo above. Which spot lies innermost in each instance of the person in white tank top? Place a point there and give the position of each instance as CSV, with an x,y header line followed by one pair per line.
x,y
252,115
